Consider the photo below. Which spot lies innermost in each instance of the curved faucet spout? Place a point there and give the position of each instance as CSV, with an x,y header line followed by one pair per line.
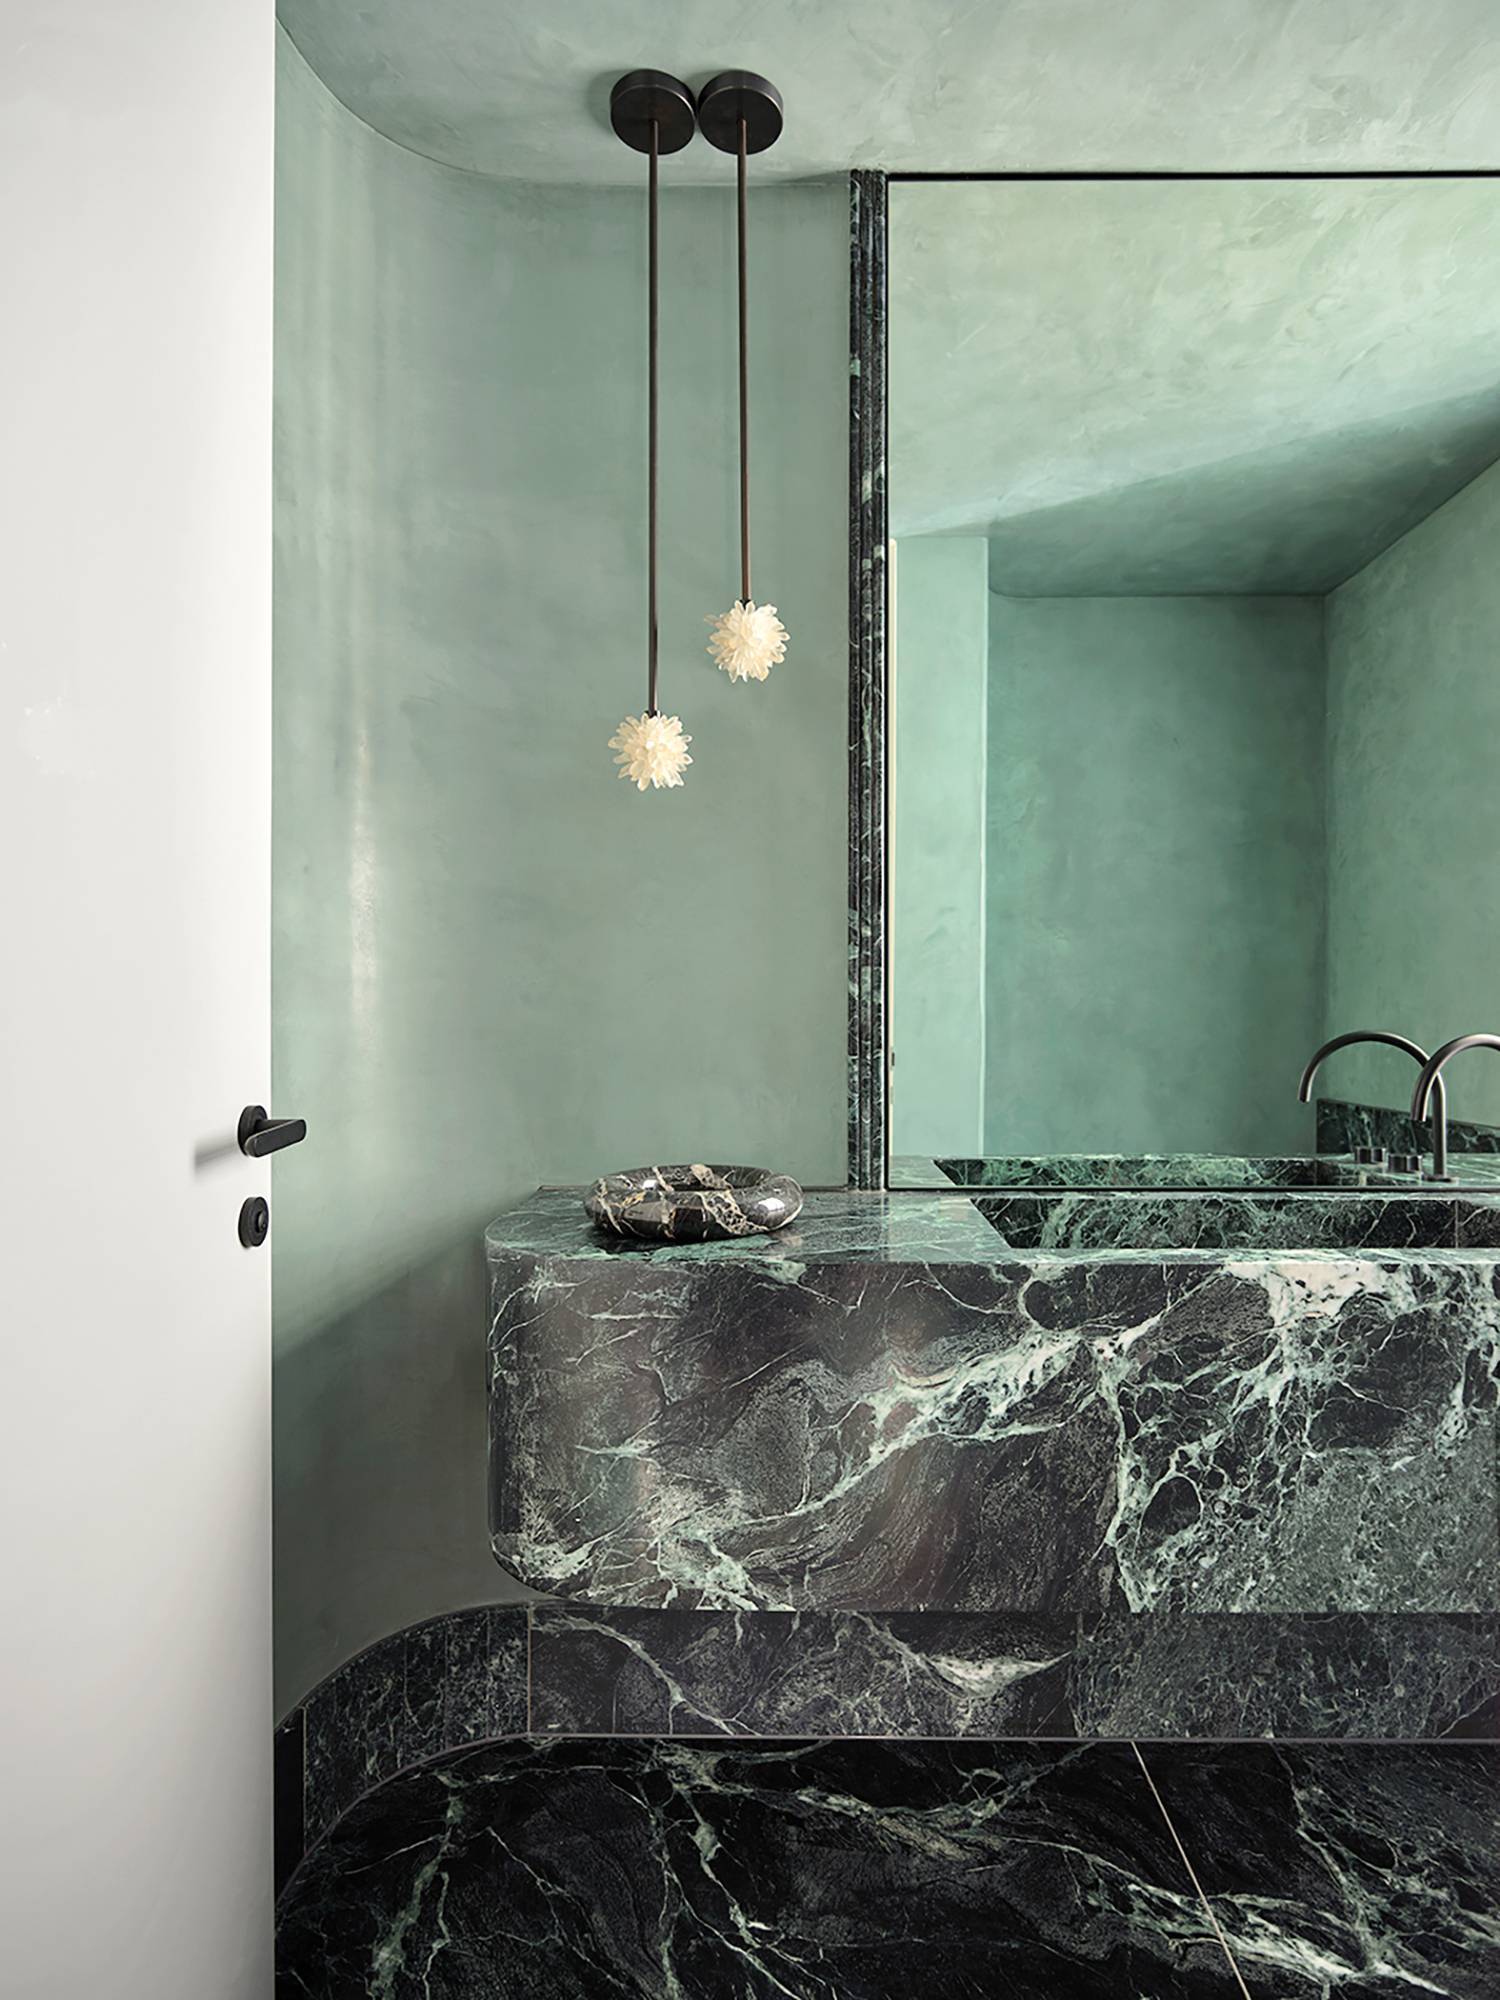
x,y
1419,1055
1430,1082
1412,1049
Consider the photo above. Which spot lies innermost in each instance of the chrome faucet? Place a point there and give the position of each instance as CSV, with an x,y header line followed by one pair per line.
x,y
1430,1089
1434,1087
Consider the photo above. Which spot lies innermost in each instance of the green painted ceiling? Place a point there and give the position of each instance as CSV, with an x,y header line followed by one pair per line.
x,y
1189,386
937,84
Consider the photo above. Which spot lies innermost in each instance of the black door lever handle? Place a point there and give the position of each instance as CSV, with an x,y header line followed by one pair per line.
x,y
259,1135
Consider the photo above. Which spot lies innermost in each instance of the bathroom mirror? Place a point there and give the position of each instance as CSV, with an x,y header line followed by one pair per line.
x,y
1193,692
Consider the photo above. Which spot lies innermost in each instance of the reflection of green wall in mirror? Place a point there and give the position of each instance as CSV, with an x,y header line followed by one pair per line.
x,y
1233,386
939,594
495,964
1414,805
1155,878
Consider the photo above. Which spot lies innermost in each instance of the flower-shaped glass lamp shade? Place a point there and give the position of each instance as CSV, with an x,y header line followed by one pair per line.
x,y
651,750
748,640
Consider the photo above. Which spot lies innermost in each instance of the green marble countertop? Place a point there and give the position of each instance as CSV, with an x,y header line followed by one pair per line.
x,y
840,1226
837,1225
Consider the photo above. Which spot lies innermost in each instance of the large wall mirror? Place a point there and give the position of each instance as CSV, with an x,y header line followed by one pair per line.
x,y
1193,691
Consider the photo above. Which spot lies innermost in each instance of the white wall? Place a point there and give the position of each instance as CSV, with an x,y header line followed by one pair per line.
x,y
135,220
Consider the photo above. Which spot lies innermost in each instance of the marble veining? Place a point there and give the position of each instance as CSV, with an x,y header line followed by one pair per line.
x,y
813,1869
837,1224
883,1422
1473,1171
692,1204
460,1678
1127,1170
816,1869
507,1670
1116,1219
867,678
1342,1126
1338,1871
998,1675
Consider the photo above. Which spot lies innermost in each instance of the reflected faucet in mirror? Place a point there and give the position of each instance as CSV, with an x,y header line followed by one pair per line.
x,y
1430,1084
1430,1090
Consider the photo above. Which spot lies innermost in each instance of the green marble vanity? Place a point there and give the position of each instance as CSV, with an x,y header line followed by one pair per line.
x,y
888,1407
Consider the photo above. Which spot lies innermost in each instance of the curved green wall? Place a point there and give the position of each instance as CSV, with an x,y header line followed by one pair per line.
x,y
494,963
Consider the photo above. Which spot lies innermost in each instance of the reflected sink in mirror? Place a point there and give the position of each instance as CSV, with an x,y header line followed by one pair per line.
x,y
1201,1201
1211,1219
1184,1171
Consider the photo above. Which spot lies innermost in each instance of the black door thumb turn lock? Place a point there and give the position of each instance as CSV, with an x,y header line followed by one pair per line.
x,y
255,1221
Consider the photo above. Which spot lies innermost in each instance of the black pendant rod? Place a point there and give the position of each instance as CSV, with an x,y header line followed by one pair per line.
x,y
654,114
740,113
651,345
744,376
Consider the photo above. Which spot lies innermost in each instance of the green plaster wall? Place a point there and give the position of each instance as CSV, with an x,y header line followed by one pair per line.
x,y
1155,889
494,963
1414,802
940,593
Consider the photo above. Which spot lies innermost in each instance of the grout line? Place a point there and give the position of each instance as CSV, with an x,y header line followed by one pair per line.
x,y
530,1628
1208,1908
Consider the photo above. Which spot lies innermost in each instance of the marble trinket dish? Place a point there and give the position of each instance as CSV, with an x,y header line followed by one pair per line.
x,y
695,1204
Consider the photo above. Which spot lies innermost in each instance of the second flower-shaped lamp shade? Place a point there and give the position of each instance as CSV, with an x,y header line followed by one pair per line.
x,y
748,640
740,113
651,750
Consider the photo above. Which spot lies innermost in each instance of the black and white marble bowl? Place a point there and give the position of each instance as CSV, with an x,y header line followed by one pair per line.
x,y
693,1204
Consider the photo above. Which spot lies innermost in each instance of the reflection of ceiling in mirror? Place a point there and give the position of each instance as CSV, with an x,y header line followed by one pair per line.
x,y
1189,386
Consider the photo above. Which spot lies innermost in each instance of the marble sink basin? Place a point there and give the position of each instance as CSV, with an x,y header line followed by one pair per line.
x,y
1267,1219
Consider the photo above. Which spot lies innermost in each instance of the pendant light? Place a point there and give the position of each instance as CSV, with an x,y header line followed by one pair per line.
x,y
740,113
653,114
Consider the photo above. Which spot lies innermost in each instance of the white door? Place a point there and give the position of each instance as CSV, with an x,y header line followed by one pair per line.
x,y
135,439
